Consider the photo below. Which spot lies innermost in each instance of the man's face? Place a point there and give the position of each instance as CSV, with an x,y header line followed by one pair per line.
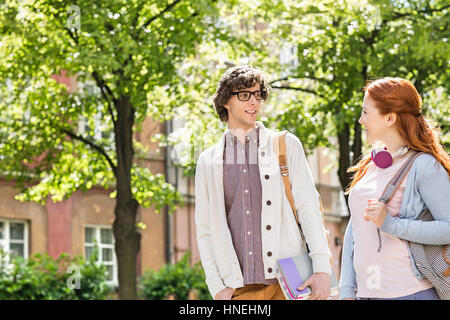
x,y
243,114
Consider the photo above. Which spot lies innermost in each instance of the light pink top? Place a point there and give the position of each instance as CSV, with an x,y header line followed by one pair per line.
x,y
385,274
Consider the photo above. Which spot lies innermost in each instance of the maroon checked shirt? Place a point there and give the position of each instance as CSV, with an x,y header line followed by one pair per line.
x,y
243,197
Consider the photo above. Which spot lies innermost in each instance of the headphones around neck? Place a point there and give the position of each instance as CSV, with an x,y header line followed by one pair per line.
x,y
381,158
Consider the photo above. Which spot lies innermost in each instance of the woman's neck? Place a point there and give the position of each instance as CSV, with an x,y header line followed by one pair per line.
x,y
394,142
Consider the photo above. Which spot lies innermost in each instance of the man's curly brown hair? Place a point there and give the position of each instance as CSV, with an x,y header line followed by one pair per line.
x,y
237,78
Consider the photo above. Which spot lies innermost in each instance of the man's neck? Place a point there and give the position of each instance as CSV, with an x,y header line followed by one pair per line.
x,y
239,127
241,131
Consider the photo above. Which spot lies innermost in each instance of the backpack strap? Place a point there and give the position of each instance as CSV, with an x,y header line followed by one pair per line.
x,y
280,150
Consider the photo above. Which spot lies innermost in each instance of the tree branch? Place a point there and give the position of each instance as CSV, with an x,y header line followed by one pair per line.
x,y
92,145
100,82
309,78
103,86
168,8
299,89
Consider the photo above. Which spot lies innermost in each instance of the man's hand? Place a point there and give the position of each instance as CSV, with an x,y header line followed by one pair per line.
x,y
320,284
224,294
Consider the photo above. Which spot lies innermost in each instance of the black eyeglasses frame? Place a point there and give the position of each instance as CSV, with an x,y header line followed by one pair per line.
x,y
261,92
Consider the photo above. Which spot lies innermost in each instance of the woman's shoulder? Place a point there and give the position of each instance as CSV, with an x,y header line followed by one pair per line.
x,y
424,159
427,167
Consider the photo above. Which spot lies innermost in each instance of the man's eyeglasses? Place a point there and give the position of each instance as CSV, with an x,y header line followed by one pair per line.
x,y
245,95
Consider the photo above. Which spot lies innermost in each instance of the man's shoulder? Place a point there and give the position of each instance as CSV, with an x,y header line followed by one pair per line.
x,y
207,155
292,140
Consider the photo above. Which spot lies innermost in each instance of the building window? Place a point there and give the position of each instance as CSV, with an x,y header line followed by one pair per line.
x,y
14,237
98,129
103,238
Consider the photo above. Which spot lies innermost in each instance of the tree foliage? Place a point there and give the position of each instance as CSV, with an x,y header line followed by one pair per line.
x,y
318,55
124,56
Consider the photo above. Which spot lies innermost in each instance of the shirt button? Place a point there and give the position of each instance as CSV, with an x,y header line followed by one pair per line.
x,y
269,254
263,154
268,227
269,202
246,191
249,233
250,253
247,212
244,170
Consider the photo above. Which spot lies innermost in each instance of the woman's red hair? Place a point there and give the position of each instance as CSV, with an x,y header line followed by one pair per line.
x,y
401,97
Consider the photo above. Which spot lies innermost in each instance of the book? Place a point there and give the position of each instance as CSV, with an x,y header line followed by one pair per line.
x,y
293,271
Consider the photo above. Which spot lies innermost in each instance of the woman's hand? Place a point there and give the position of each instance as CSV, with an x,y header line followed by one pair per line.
x,y
376,212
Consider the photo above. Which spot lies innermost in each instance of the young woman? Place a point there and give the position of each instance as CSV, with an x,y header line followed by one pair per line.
x,y
376,263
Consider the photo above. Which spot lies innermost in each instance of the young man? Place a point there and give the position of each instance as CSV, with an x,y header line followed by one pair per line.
x,y
243,218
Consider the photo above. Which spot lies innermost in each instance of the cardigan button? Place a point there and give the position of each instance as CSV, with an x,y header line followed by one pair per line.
x,y
269,270
268,227
269,202
266,176
263,154
269,253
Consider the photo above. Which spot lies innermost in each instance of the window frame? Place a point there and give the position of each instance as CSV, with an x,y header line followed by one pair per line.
x,y
97,237
6,241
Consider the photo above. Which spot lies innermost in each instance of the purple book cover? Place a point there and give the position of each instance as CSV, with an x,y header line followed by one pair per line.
x,y
291,277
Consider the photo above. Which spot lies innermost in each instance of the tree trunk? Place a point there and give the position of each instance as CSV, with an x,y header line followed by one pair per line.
x,y
127,238
344,157
345,160
357,143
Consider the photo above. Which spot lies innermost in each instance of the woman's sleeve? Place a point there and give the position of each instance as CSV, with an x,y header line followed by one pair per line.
x,y
433,186
347,284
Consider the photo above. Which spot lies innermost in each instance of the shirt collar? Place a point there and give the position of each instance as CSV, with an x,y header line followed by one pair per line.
x,y
254,132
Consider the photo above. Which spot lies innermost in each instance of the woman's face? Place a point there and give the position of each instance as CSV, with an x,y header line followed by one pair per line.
x,y
375,124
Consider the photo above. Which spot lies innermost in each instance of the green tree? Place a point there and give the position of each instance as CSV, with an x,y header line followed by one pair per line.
x,y
339,46
125,55
332,49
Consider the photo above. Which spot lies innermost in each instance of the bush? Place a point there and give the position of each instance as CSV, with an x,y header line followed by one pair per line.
x,y
41,277
178,279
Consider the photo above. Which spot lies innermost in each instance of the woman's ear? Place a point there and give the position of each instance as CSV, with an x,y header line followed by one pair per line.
x,y
391,119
